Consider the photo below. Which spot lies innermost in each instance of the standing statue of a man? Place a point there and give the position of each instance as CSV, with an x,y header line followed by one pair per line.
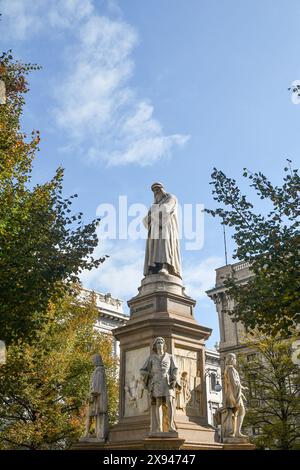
x,y
162,249
233,399
98,401
159,374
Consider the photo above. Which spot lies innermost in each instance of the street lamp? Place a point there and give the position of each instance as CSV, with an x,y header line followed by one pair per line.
x,y
208,373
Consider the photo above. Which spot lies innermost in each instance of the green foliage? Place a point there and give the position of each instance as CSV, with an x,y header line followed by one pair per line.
x,y
45,383
273,406
270,300
43,246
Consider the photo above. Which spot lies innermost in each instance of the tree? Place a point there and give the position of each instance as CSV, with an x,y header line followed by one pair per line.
x,y
43,246
273,394
44,385
270,300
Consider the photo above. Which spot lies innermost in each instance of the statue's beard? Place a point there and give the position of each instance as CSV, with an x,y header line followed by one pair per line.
x,y
158,197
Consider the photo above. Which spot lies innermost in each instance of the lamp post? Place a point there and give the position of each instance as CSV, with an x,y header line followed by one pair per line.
x,y
208,373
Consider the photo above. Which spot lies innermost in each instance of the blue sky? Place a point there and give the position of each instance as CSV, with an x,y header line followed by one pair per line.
x,y
137,91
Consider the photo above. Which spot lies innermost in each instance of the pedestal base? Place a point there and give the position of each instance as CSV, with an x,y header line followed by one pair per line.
x,y
165,443
239,446
153,443
163,435
189,435
92,439
236,440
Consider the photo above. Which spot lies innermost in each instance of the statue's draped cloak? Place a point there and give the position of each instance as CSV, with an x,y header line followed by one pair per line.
x,y
98,389
158,373
163,236
232,387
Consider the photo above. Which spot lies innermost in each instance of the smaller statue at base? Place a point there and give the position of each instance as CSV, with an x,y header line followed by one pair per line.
x,y
159,374
98,403
231,415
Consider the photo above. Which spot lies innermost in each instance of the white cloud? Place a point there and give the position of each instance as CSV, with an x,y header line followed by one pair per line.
x,y
97,102
121,273
104,118
22,19
198,278
144,139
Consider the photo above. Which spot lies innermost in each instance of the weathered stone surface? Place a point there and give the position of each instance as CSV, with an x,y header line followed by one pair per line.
x,y
136,397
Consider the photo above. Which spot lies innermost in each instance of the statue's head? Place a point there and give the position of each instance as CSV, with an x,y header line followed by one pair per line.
x,y
231,359
97,360
158,191
159,345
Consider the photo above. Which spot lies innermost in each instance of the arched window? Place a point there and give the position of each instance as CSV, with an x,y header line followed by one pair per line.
x,y
213,381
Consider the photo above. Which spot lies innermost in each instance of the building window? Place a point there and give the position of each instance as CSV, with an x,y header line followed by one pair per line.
x,y
213,409
213,382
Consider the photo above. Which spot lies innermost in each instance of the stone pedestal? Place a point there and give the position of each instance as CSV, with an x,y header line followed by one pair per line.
x,y
162,308
163,444
91,439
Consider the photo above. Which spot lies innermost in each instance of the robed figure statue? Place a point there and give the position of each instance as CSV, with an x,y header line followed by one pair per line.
x,y
233,399
162,250
98,402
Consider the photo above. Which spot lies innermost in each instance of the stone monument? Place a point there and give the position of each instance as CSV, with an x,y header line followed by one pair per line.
x,y
162,351
162,309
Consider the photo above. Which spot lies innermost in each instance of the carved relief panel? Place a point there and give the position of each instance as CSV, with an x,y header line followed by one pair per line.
x,y
136,397
188,399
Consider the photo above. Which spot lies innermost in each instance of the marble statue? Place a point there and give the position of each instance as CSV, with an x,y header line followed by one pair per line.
x,y
98,402
162,248
183,396
233,409
159,374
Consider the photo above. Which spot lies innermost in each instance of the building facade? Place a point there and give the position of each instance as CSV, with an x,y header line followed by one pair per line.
x,y
213,383
111,314
231,333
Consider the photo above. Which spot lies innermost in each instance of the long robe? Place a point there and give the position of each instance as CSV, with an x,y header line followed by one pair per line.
x,y
163,236
98,390
232,388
